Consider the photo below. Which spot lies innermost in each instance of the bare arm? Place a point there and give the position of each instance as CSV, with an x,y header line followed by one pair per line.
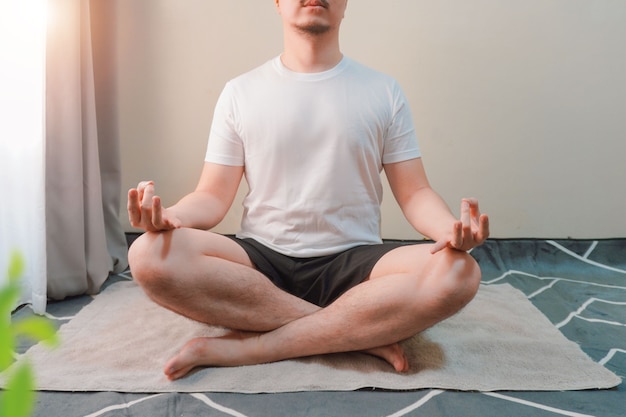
x,y
203,208
429,214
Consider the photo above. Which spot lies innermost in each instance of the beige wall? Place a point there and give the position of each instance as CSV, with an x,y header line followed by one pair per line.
x,y
519,103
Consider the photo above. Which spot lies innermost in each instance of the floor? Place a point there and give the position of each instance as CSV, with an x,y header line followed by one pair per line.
x,y
580,285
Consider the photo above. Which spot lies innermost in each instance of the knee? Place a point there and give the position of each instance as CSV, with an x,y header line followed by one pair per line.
x,y
458,280
145,258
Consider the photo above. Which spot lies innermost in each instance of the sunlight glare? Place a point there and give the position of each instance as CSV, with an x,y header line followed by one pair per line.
x,y
23,25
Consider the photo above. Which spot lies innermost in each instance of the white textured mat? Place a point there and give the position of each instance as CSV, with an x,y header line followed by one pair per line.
x,y
500,341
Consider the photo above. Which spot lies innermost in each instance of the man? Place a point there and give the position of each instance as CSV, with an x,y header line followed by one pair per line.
x,y
307,273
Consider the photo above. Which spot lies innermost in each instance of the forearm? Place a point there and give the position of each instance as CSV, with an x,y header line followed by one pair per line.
x,y
199,210
208,204
428,213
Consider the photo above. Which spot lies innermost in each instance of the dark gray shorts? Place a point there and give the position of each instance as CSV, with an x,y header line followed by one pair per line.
x,y
319,280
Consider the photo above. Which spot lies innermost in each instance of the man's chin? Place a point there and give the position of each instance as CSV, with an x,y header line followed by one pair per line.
x,y
314,29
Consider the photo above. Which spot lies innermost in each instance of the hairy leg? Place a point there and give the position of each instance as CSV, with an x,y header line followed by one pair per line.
x,y
209,278
409,291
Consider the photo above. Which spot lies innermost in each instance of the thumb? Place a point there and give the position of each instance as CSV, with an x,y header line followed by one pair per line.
x,y
439,245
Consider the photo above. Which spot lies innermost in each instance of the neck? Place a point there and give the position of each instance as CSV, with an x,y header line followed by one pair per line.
x,y
311,53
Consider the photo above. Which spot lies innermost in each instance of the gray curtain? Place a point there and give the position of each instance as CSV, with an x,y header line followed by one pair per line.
x,y
85,241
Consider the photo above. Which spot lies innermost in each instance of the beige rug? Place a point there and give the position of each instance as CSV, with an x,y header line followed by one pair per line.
x,y
121,341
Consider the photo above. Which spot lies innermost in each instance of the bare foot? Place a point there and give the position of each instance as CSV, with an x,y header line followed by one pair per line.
x,y
228,350
235,349
393,354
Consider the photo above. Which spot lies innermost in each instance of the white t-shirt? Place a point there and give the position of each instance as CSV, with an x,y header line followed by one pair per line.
x,y
313,147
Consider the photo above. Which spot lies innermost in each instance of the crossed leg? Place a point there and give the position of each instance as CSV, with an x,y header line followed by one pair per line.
x,y
209,278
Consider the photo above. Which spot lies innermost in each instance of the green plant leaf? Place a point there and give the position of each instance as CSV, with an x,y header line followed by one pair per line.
x,y
16,266
19,397
7,346
9,295
38,329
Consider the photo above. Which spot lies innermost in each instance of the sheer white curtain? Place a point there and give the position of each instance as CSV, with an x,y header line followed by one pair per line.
x,y
22,196
60,179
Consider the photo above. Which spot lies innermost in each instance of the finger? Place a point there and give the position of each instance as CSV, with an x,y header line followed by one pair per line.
x,y
145,205
457,235
146,198
157,214
133,198
466,220
465,212
483,227
141,187
474,211
482,232
134,214
143,184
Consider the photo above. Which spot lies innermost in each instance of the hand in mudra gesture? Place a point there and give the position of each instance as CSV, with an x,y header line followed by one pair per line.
x,y
467,233
146,212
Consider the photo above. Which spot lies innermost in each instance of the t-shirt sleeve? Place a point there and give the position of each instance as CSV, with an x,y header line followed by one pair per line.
x,y
400,139
225,146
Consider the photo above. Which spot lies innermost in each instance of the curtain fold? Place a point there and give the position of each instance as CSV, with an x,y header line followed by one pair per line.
x,y
85,241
